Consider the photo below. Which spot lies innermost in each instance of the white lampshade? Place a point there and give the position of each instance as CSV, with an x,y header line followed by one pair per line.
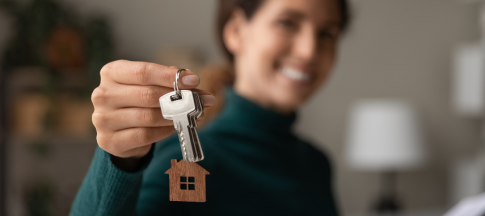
x,y
384,135
468,80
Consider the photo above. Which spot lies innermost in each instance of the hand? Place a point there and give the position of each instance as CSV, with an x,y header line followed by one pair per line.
x,y
127,113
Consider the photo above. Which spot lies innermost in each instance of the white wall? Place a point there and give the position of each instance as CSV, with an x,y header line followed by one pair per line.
x,y
396,48
141,27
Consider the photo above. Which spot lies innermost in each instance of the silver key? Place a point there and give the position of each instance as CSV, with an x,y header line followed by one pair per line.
x,y
184,113
184,107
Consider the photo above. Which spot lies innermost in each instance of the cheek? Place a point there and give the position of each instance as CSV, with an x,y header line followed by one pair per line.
x,y
268,47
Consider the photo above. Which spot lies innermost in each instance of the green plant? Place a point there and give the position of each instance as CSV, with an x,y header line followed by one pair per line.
x,y
40,28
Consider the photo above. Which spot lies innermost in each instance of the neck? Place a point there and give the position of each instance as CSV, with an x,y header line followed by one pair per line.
x,y
245,115
252,95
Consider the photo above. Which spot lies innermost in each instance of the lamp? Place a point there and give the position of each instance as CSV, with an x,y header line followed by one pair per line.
x,y
384,136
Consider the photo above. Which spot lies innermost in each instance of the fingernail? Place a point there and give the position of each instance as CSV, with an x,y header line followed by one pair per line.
x,y
191,80
208,100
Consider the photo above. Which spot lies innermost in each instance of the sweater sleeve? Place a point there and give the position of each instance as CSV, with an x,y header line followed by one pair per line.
x,y
107,190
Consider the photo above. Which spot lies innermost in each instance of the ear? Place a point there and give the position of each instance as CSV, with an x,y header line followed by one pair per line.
x,y
232,33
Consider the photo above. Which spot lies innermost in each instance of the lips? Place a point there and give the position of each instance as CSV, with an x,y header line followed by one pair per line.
x,y
296,74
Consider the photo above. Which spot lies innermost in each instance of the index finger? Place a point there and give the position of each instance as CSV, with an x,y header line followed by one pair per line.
x,y
145,73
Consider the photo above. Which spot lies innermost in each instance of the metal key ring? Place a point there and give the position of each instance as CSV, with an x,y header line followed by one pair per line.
x,y
176,83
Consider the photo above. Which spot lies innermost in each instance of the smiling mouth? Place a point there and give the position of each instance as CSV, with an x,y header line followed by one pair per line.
x,y
295,74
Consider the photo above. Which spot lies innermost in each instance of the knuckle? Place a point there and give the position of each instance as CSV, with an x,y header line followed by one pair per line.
x,y
149,95
140,73
105,70
142,135
148,117
104,142
99,96
100,120
175,68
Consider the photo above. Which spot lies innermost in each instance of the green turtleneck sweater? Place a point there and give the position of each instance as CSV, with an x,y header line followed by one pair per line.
x,y
257,167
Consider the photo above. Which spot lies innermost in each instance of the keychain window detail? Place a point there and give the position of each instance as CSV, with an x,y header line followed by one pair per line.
x,y
183,183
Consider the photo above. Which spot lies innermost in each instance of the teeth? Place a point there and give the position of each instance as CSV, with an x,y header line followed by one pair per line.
x,y
296,75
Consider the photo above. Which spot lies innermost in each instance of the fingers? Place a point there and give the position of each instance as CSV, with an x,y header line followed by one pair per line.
x,y
123,96
125,143
127,113
144,73
130,118
208,100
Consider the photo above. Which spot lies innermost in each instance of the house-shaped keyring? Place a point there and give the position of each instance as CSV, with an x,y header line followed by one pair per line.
x,y
187,181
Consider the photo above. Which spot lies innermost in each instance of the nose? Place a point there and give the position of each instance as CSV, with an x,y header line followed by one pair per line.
x,y
305,45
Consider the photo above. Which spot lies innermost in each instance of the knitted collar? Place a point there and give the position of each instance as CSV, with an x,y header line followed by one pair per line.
x,y
246,115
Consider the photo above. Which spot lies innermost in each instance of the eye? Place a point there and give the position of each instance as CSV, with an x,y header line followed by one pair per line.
x,y
288,24
326,35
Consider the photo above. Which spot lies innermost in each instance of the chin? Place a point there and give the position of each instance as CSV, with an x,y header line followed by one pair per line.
x,y
293,93
290,100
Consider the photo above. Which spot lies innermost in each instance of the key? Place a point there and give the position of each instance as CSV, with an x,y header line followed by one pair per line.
x,y
184,112
193,122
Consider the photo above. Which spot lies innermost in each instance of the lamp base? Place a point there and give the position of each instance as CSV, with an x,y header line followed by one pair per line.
x,y
386,204
387,201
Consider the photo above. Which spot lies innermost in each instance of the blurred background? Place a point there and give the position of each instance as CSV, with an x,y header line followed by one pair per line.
x,y
410,71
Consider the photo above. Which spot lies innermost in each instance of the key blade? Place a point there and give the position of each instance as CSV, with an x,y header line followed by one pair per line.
x,y
183,143
182,125
196,144
191,150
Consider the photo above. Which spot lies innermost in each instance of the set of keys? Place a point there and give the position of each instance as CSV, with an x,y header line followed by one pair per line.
x,y
184,107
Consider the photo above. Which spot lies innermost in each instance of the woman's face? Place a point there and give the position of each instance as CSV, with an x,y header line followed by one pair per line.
x,y
285,51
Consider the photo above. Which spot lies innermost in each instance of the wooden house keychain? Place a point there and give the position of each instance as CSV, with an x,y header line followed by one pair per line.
x,y
186,177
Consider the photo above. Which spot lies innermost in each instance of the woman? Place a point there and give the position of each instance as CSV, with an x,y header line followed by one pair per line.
x,y
281,51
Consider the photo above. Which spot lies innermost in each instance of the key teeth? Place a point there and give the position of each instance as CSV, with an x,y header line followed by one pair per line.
x,y
182,140
195,143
